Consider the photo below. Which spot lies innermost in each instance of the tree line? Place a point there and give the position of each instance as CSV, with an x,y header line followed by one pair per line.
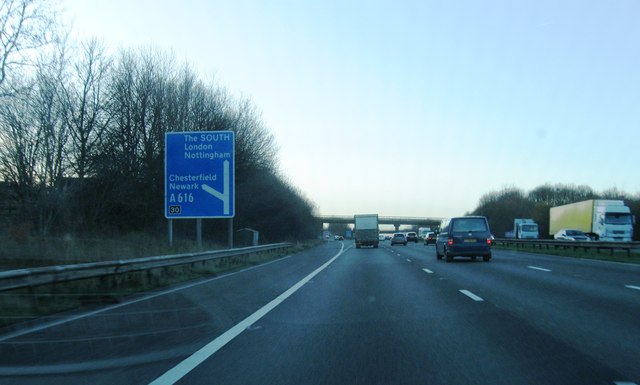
x,y
82,137
503,206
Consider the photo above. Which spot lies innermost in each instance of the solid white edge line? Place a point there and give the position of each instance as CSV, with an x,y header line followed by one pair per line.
x,y
624,383
632,287
187,365
471,295
538,268
144,297
427,271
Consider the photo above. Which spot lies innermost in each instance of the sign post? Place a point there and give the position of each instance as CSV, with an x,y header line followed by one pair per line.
x,y
199,176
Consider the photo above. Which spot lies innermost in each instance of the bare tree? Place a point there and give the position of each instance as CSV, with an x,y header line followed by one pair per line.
x,y
501,207
120,153
20,147
55,194
25,27
48,110
560,194
30,159
33,137
84,102
255,145
139,90
614,193
154,87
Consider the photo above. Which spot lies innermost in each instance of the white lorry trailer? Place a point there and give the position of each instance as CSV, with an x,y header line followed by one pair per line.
x,y
366,230
423,231
523,228
604,220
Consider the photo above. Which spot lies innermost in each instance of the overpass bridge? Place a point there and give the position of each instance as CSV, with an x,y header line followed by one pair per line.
x,y
396,221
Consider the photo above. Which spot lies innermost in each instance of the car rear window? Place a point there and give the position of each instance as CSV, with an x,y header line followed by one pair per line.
x,y
469,224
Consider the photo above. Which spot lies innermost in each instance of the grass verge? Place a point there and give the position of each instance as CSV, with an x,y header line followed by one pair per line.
x,y
39,251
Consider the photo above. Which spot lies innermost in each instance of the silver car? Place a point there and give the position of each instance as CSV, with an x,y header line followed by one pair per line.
x,y
571,235
399,238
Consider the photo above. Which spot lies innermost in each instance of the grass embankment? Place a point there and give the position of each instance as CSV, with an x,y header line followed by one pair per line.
x,y
36,251
602,255
25,304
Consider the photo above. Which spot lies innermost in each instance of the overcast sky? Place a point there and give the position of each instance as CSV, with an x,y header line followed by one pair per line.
x,y
414,108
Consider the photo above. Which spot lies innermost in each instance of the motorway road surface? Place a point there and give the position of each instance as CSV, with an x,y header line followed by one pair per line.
x,y
339,315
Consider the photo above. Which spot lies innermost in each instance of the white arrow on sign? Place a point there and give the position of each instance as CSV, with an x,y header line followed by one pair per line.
x,y
224,195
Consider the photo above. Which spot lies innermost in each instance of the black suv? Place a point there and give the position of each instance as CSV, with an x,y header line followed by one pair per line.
x,y
465,237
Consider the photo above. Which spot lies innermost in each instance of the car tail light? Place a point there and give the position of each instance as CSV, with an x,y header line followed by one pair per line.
x,y
450,241
489,242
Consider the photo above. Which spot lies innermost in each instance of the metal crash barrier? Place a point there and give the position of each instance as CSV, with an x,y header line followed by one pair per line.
x,y
555,244
33,277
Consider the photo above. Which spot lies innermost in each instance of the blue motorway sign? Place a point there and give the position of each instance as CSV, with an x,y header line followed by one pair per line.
x,y
199,174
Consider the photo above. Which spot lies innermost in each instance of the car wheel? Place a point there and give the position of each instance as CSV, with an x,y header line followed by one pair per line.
x,y
438,255
405,243
448,257
486,258
473,258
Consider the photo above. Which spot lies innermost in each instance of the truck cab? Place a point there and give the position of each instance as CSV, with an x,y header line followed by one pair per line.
x,y
613,222
526,229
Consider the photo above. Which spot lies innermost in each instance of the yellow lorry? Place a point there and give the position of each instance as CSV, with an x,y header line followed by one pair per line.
x,y
600,219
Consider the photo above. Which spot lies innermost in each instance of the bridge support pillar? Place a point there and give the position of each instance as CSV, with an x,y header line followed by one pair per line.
x,y
397,226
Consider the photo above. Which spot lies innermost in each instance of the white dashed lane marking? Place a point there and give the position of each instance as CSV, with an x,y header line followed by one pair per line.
x,y
632,287
471,295
538,268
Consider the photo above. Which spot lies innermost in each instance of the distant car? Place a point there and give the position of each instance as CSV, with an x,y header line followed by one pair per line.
x,y
412,237
381,237
465,237
387,237
571,235
430,238
339,238
398,238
